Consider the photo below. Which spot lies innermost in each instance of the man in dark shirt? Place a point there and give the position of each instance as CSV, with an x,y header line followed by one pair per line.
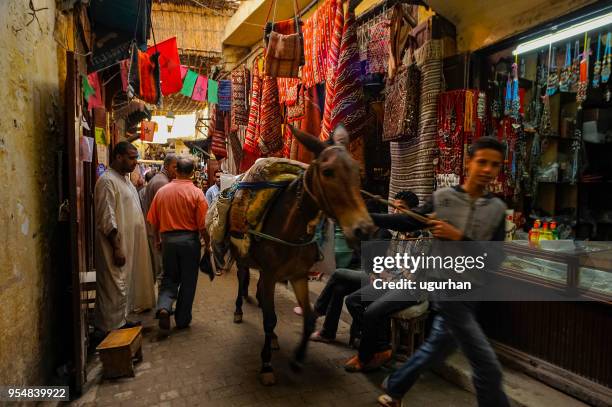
x,y
471,213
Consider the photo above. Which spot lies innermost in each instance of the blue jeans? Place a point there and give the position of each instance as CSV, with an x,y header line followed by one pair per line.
x,y
181,260
454,325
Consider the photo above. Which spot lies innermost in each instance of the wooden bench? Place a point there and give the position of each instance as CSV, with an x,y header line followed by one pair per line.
x,y
410,323
119,350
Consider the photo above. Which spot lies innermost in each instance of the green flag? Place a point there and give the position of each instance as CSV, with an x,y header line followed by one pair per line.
x,y
213,90
189,83
88,90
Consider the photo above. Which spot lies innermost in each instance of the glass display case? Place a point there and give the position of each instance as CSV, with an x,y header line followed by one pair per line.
x,y
578,267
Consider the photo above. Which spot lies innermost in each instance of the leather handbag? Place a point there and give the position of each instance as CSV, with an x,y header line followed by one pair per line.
x,y
284,50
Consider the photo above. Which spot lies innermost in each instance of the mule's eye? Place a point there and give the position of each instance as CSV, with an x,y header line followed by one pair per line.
x,y
328,173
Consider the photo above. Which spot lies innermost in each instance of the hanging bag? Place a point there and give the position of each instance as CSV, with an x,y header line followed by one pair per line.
x,y
284,52
401,119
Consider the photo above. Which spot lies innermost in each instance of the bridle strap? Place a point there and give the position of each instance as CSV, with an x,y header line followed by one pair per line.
x,y
325,206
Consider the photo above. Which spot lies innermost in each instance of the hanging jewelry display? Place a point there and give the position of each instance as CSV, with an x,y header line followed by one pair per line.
x,y
581,92
553,77
545,129
575,69
508,97
515,103
606,68
482,106
597,65
451,128
564,78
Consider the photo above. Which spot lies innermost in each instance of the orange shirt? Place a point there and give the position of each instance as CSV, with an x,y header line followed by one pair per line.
x,y
179,205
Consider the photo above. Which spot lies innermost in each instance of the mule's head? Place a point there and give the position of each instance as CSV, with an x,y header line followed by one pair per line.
x,y
333,180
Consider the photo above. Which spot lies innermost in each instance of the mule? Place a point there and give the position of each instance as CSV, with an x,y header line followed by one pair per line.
x,y
331,184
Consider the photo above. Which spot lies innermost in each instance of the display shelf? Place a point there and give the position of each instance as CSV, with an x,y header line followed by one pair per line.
x,y
585,269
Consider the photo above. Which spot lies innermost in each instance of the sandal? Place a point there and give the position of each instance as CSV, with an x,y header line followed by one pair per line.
x,y
317,337
387,401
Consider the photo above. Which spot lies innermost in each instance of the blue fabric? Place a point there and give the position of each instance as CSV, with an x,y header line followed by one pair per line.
x,y
225,95
263,185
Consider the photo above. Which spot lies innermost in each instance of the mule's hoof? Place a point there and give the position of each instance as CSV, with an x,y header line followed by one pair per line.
x,y
296,366
274,344
237,317
267,378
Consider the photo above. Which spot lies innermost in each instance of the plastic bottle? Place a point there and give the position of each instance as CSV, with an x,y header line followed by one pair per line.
x,y
545,233
554,230
534,234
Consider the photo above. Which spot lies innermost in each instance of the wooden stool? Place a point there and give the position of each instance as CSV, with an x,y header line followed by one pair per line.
x,y
410,321
118,351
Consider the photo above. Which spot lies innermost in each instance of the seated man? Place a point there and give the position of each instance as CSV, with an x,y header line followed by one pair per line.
x,y
372,308
345,281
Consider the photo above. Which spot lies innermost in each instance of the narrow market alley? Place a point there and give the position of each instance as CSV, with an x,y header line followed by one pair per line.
x,y
216,363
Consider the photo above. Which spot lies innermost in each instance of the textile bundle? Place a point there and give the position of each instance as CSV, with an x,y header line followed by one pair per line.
x,y
378,45
288,90
318,30
218,147
250,150
284,55
348,107
332,62
402,105
412,161
295,112
240,106
310,124
270,136
225,95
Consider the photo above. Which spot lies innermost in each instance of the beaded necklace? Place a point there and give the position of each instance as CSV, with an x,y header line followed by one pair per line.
x,y
564,78
607,61
553,78
574,77
597,66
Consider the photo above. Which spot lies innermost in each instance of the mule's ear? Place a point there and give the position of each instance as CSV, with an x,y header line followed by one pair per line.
x,y
309,141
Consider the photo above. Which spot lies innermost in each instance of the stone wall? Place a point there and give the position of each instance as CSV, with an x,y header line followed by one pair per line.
x,y
29,136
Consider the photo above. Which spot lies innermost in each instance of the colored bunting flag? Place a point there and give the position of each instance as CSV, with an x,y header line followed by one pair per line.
x,y
169,64
189,83
124,67
184,70
213,91
199,91
100,136
147,130
91,91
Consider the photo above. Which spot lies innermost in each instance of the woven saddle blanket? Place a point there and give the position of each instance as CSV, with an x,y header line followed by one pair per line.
x,y
254,195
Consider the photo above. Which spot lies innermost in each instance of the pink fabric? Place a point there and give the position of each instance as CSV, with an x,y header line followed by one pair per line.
x,y
200,89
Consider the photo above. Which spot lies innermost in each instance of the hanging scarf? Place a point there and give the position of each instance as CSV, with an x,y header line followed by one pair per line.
x,y
378,45
225,95
288,90
271,138
348,107
240,86
310,124
332,63
250,151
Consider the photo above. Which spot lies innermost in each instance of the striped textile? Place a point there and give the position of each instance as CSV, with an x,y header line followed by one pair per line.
x,y
412,161
225,95
317,39
250,149
348,105
240,92
288,90
332,63
271,137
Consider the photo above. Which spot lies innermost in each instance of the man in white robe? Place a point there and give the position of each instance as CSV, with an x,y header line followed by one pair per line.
x,y
124,279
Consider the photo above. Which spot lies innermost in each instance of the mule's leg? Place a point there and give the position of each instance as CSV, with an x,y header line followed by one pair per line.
x,y
266,298
300,287
243,288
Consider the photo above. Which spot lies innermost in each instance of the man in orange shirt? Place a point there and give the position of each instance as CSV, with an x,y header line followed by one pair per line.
x,y
178,214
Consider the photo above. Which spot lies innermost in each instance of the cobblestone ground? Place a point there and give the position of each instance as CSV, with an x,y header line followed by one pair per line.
x,y
216,362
